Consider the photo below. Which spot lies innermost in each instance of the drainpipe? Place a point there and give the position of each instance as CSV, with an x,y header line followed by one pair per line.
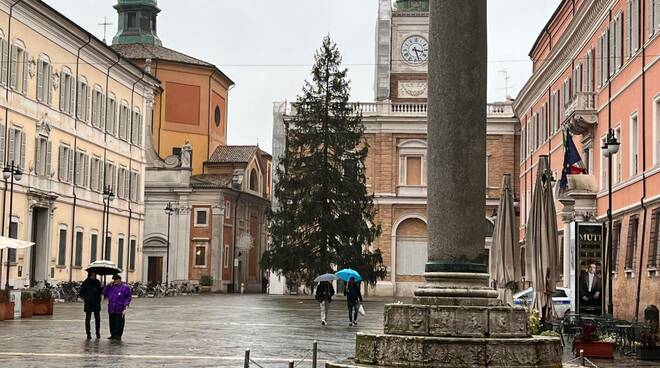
x,y
4,190
233,252
641,200
130,180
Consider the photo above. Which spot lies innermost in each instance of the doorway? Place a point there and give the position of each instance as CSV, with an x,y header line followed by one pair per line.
x,y
39,251
155,270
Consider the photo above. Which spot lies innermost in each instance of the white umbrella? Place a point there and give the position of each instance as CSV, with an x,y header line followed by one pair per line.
x,y
103,267
541,243
10,243
505,251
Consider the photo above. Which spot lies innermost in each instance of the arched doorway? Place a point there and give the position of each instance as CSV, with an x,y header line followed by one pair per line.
x,y
411,255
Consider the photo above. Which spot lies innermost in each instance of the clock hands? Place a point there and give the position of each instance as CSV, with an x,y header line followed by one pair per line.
x,y
416,53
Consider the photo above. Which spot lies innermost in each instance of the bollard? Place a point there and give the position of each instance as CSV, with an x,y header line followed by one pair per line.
x,y
290,363
247,359
314,353
581,358
242,288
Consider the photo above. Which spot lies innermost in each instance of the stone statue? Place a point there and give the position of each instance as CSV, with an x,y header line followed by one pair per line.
x,y
186,155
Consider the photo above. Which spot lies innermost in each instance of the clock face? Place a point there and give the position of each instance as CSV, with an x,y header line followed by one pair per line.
x,y
415,50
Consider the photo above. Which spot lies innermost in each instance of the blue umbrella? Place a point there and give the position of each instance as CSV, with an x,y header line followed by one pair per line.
x,y
347,273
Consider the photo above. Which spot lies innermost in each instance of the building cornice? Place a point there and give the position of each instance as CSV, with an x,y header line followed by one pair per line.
x,y
583,25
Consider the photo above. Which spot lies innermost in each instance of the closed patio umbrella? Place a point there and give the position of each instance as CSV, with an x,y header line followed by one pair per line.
x,y
541,245
505,251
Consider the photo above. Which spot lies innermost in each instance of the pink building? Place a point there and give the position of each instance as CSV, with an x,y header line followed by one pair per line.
x,y
595,67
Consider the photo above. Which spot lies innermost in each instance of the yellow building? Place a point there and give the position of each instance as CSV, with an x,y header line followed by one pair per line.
x,y
72,115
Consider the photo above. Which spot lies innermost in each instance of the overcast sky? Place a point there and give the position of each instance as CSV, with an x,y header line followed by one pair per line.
x,y
266,46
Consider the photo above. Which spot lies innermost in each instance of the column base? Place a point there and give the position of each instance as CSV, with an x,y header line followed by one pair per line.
x,y
451,288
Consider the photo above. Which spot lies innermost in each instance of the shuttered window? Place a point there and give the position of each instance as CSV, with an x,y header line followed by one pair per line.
x,y
79,249
616,243
42,156
654,250
4,56
19,62
631,249
98,107
135,185
95,174
44,81
111,115
67,91
16,146
65,164
131,255
93,248
120,253
82,169
61,248
83,100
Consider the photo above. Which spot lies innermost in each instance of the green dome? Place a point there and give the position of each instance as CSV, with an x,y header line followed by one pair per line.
x,y
412,5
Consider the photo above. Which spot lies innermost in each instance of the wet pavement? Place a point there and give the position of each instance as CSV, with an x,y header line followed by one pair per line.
x,y
200,331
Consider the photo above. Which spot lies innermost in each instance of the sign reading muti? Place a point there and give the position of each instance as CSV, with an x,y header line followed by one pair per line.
x,y
589,282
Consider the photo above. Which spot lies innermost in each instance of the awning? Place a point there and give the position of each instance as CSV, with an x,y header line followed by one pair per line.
x,y
14,243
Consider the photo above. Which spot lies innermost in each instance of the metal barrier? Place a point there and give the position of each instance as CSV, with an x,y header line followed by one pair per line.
x,y
292,363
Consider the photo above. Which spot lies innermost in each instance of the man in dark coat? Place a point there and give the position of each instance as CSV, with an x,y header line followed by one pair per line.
x,y
591,287
324,293
90,292
353,298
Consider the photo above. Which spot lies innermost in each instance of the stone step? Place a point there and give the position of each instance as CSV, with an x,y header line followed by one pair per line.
x,y
459,321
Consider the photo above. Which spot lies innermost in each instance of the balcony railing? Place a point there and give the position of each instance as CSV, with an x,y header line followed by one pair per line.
x,y
580,114
386,108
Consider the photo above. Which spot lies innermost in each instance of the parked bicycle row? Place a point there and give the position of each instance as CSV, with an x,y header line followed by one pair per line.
x,y
69,291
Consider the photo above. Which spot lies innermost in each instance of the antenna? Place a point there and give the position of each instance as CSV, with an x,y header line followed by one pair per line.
x,y
506,75
105,25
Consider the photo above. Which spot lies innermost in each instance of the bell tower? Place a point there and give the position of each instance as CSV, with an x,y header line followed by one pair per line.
x,y
137,22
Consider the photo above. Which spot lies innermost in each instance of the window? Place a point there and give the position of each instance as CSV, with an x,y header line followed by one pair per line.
x,y
122,188
632,27
654,16
93,247
98,107
201,217
13,233
79,249
136,127
412,163
656,125
120,253
83,101
588,77
487,159
16,147
82,169
603,65
131,20
42,156
135,185
110,178
111,115
95,173
254,180
566,93
634,151
604,165
44,80
225,261
616,48
616,243
227,209
131,255
200,256
61,249
67,96
65,164
631,250
616,164
19,67
576,80
124,115
4,56
523,144
413,170
654,251
108,248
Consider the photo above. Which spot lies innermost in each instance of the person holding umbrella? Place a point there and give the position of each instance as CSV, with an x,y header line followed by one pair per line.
x,y
324,293
90,292
353,294
119,298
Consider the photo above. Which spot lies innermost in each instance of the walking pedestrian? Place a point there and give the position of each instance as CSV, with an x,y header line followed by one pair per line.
x,y
353,298
90,292
119,298
324,293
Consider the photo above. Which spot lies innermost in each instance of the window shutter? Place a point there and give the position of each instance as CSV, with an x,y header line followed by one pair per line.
x,y
62,90
61,165
73,88
102,122
78,168
127,183
86,171
10,156
25,71
2,143
22,157
13,66
49,148
71,165
40,81
95,101
89,102
78,99
629,26
651,25
5,60
140,127
653,251
114,177
49,86
37,156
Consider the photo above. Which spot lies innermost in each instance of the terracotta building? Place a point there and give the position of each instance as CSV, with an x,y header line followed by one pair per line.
x,y
218,193
595,68
396,132
72,118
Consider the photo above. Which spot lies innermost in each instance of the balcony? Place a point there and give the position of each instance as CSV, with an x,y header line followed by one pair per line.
x,y
580,115
388,108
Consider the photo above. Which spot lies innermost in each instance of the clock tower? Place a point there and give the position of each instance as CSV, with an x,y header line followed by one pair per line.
x,y
402,50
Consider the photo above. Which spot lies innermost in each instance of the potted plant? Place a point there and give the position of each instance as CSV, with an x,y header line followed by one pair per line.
x,y
27,307
42,303
206,282
593,345
648,349
6,305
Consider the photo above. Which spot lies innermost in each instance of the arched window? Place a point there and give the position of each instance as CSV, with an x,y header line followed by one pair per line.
x,y
98,106
254,184
67,98
19,67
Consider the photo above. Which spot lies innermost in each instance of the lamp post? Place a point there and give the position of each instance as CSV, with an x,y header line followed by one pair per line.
x,y
169,211
108,196
609,148
11,173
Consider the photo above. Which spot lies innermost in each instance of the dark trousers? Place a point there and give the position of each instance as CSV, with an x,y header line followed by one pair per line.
x,y
97,320
116,323
353,306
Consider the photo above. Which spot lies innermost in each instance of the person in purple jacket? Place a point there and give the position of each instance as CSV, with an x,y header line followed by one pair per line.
x,y
119,297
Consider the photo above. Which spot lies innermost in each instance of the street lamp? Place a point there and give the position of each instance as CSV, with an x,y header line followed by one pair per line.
x,y
108,196
609,148
11,173
169,211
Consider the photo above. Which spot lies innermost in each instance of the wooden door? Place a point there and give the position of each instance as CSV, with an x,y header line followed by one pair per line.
x,y
155,270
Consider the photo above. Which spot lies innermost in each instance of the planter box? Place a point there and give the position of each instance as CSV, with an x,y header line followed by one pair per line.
x,y
648,353
27,309
6,311
43,307
595,349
